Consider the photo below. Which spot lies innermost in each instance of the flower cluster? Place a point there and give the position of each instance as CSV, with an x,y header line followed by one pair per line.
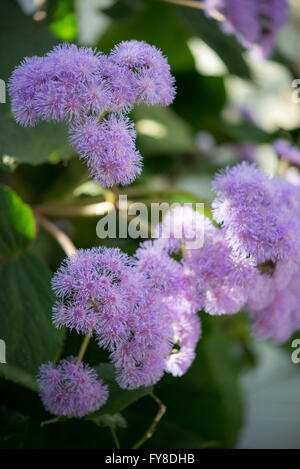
x,y
92,92
70,389
100,291
143,310
260,219
255,23
251,259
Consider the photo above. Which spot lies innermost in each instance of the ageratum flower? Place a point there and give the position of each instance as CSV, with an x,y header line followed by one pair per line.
x,y
277,315
249,208
223,280
93,92
109,149
183,228
97,289
255,23
287,152
149,69
70,389
186,329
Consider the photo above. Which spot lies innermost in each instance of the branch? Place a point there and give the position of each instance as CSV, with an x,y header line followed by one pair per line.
x,y
63,240
161,411
186,3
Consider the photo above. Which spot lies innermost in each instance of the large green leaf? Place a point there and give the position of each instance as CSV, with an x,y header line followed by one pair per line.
x,y
17,226
119,398
21,36
224,45
158,25
25,313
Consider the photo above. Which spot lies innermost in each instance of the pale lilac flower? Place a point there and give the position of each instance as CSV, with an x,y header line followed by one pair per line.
x,y
140,360
186,334
109,149
287,151
183,228
223,280
150,69
70,389
247,207
255,23
281,316
92,91
94,291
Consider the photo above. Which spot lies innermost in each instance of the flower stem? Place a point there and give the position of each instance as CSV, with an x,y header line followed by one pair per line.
x,y
62,239
83,347
115,437
161,411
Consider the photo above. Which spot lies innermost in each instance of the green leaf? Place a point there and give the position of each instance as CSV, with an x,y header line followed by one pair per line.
x,y
200,100
161,131
17,225
25,315
226,46
18,376
158,25
119,398
22,36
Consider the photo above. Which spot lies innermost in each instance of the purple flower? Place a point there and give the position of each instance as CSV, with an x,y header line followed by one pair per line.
x,y
53,87
150,69
82,86
277,318
247,206
223,280
186,334
287,151
70,389
109,149
255,23
95,291
140,361
29,77
164,273
183,228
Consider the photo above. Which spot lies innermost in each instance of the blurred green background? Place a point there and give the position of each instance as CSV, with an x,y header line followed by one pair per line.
x,y
239,392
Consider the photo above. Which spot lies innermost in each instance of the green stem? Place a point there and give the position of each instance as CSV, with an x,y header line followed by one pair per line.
x,y
161,411
101,117
83,347
115,437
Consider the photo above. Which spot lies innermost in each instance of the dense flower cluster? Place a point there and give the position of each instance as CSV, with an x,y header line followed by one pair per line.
x,y
70,389
143,310
260,218
255,23
93,92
